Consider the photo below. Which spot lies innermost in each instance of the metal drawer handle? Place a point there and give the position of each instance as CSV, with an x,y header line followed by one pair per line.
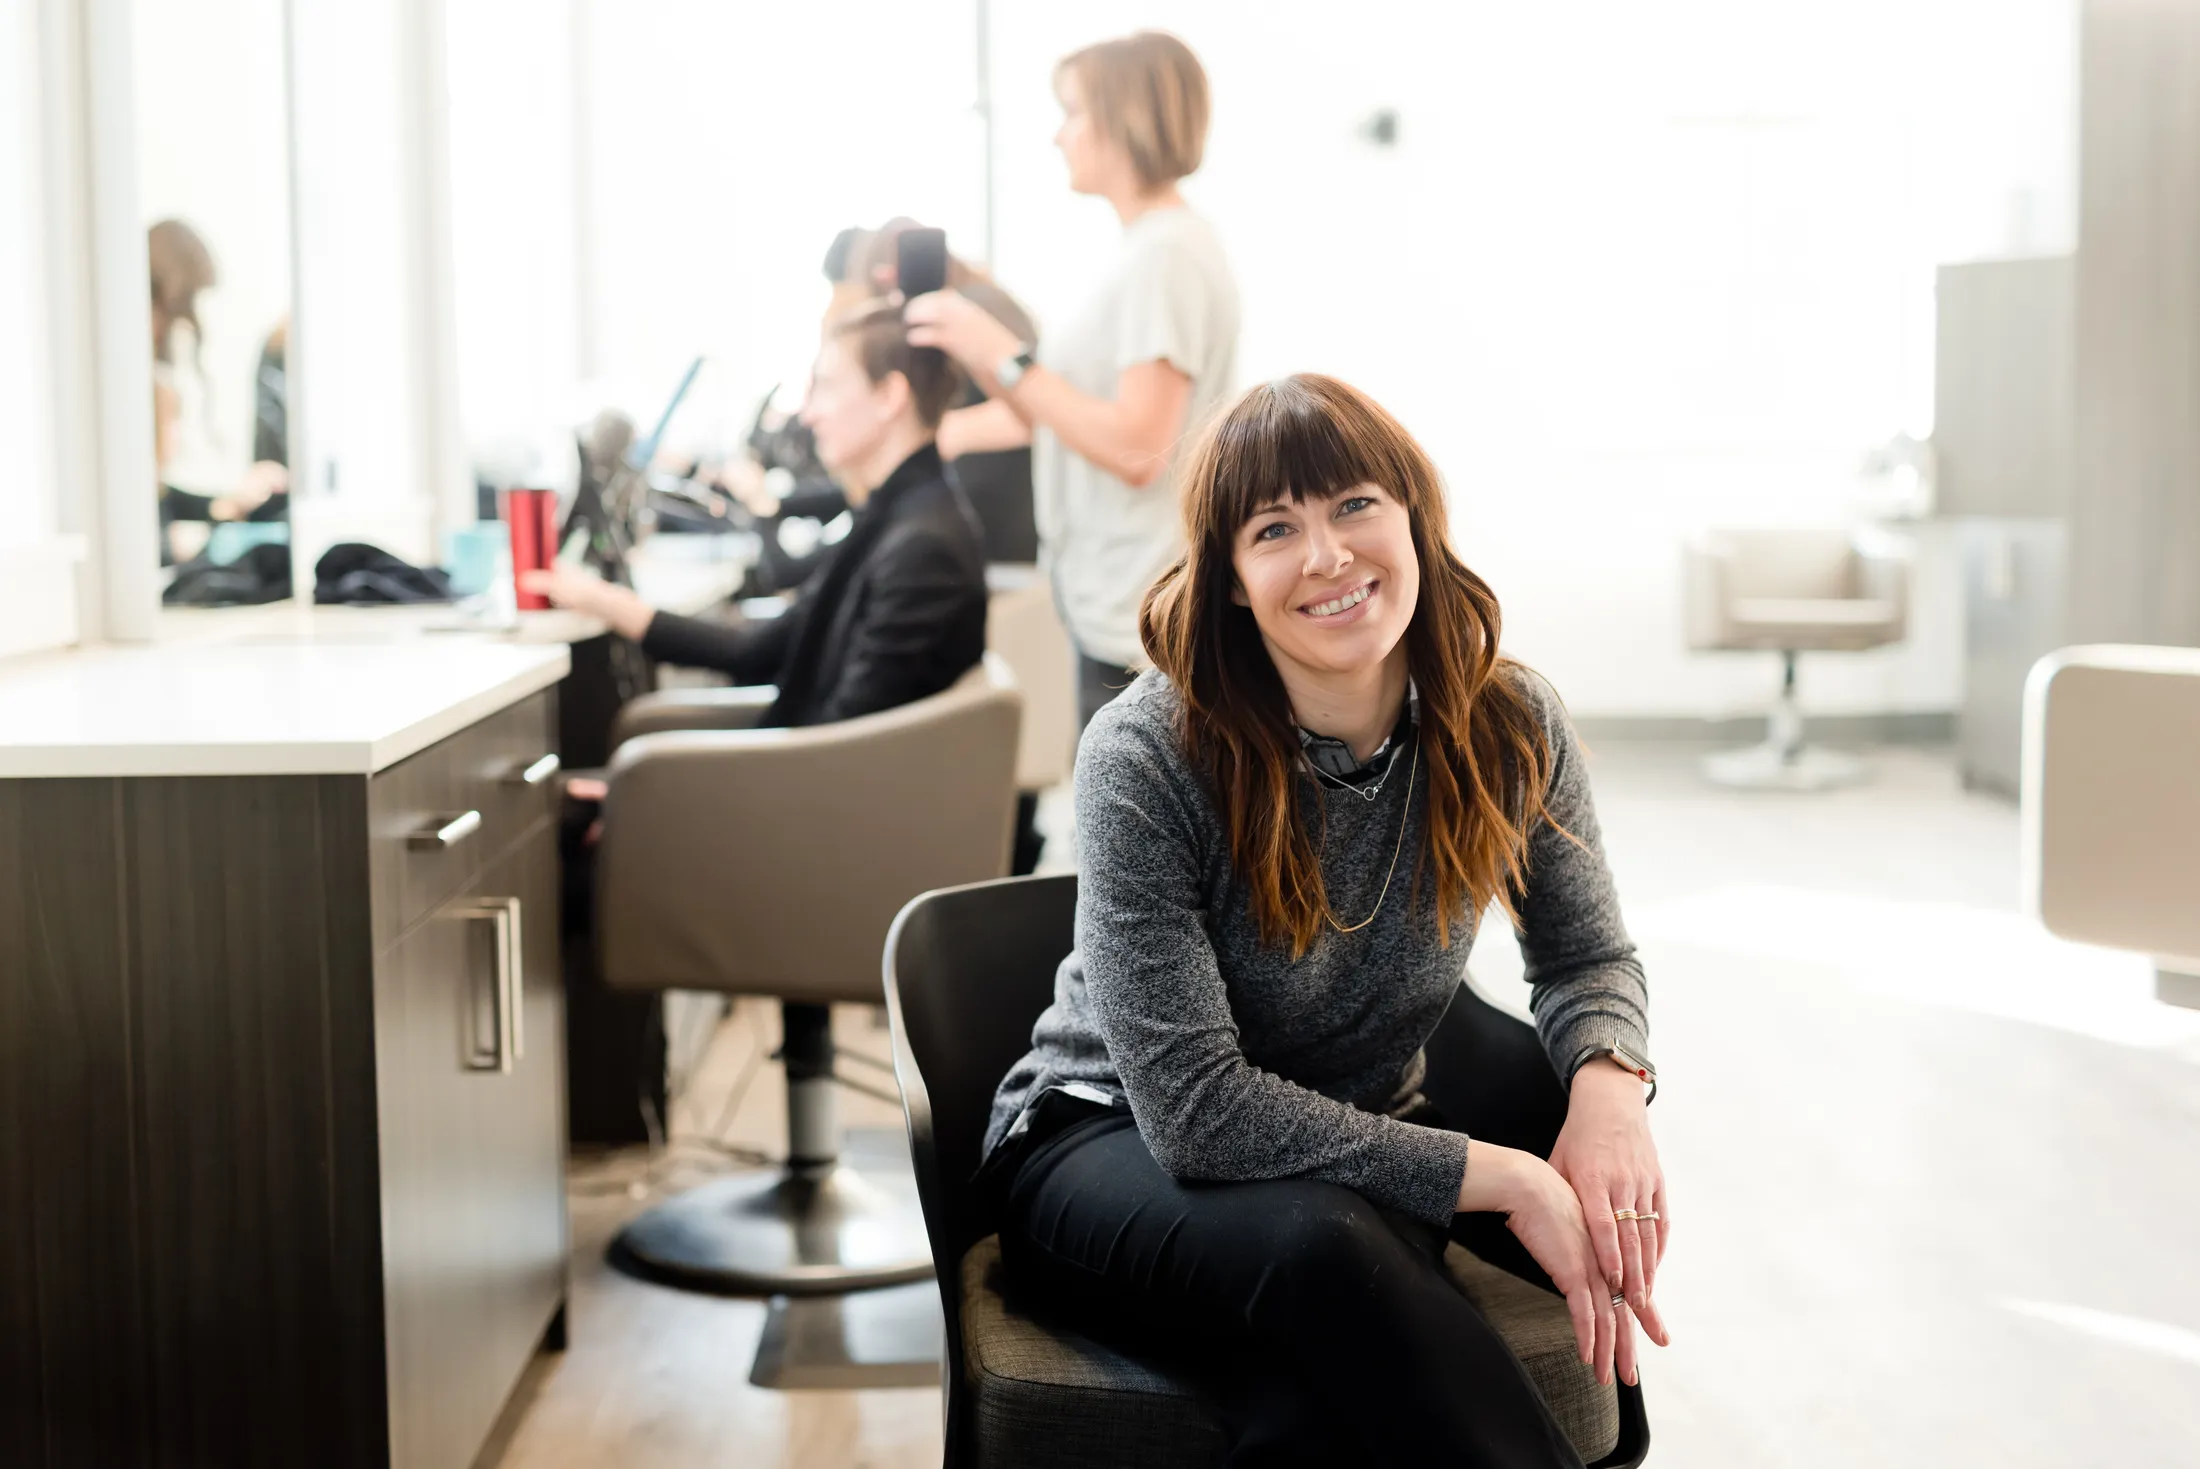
x,y
540,771
449,834
510,1046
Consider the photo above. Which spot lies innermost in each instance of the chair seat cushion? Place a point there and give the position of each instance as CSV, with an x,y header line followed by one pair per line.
x,y
1807,623
1042,1394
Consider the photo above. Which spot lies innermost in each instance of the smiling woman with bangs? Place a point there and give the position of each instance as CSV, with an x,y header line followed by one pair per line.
x,y
1290,828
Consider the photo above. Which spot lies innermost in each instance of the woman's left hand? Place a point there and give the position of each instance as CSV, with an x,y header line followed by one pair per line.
x,y
1605,1152
962,329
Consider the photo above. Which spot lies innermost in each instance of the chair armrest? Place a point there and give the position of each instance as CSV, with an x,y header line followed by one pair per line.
x,y
1022,628
1883,575
741,706
772,861
2111,801
1705,606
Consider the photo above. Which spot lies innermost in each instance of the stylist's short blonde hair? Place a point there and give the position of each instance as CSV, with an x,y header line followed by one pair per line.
x,y
1148,92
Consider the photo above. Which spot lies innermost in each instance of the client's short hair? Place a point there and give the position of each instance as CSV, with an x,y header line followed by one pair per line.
x,y
875,333
1148,92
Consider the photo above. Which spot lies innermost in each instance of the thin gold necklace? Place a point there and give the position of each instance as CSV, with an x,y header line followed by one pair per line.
x,y
1411,772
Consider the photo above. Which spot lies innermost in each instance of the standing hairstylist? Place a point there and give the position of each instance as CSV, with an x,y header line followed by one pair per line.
x,y
1150,355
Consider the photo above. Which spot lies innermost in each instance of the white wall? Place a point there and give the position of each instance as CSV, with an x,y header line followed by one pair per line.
x,y
1630,271
515,227
27,506
723,147
38,606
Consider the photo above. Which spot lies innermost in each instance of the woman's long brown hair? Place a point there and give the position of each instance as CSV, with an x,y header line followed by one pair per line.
x,y
1483,750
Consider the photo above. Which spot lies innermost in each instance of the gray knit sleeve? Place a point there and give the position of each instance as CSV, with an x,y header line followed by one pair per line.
x,y
1159,998
1587,986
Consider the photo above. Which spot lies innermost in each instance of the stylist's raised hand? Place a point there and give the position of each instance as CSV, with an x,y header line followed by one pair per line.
x,y
962,329
1605,1153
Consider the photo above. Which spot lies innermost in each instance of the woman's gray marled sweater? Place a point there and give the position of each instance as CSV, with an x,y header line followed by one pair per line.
x,y
1239,1063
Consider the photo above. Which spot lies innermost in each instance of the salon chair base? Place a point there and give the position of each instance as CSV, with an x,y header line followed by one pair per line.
x,y
793,1232
1776,767
1784,762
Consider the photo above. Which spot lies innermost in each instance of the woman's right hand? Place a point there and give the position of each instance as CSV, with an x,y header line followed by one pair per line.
x,y
264,479
1544,1214
585,592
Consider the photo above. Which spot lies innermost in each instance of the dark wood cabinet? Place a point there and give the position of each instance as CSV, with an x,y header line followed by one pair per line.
x,y
468,1053
281,1109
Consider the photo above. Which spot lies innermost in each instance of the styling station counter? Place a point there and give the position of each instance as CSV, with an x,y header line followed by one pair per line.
x,y
282,1126
624,1052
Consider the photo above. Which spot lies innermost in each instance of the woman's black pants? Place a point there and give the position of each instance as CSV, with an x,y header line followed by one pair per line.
x,y
1338,1336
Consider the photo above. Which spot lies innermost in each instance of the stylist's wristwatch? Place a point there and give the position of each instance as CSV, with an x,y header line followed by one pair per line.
x,y
1012,369
1621,1056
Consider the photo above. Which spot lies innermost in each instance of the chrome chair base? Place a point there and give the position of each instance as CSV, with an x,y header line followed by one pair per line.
x,y
1778,767
1783,762
786,1233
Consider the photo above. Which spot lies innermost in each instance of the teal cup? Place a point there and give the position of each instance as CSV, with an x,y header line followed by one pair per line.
x,y
470,557
232,538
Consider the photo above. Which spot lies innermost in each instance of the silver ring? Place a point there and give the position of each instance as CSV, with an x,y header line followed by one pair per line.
x,y
1619,1300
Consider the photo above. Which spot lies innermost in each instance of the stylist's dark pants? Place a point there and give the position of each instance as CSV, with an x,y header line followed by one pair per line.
x,y
1339,1337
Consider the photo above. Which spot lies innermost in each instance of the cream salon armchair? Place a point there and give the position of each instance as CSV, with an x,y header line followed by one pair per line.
x,y
1791,592
1022,629
2111,803
772,862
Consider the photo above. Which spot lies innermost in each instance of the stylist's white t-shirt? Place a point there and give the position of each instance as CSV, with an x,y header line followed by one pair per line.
x,y
1169,297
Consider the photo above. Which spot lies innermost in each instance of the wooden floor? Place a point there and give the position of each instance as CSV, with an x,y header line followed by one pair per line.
x,y
1931,1171
657,1378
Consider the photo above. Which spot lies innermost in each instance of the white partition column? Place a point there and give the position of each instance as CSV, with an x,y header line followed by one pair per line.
x,y
83,555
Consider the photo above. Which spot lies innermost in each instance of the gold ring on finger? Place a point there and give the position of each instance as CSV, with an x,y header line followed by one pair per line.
x,y
1647,1218
1626,1214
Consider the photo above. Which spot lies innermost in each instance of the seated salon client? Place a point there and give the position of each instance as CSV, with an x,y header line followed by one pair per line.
x,y
1289,827
896,612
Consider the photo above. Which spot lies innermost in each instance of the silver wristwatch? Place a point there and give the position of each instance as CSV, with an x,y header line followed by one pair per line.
x,y
1621,1056
1012,369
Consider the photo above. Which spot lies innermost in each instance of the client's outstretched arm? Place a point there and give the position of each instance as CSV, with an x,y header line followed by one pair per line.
x,y
748,653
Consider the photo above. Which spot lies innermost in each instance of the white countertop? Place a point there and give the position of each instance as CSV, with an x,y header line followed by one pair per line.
x,y
293,689
256,708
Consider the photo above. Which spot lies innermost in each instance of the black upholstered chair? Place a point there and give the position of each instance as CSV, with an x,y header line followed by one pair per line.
x,y
968,970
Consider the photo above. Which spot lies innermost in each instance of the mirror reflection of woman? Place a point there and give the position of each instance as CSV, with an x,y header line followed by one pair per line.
x,y
186,449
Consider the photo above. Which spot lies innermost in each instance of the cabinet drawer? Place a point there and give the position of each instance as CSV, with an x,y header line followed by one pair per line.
x,y
469,1054
435,820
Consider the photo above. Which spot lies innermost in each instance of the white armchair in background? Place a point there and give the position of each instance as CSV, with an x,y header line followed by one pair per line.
x,y
2111,799
1022,628
1791,592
